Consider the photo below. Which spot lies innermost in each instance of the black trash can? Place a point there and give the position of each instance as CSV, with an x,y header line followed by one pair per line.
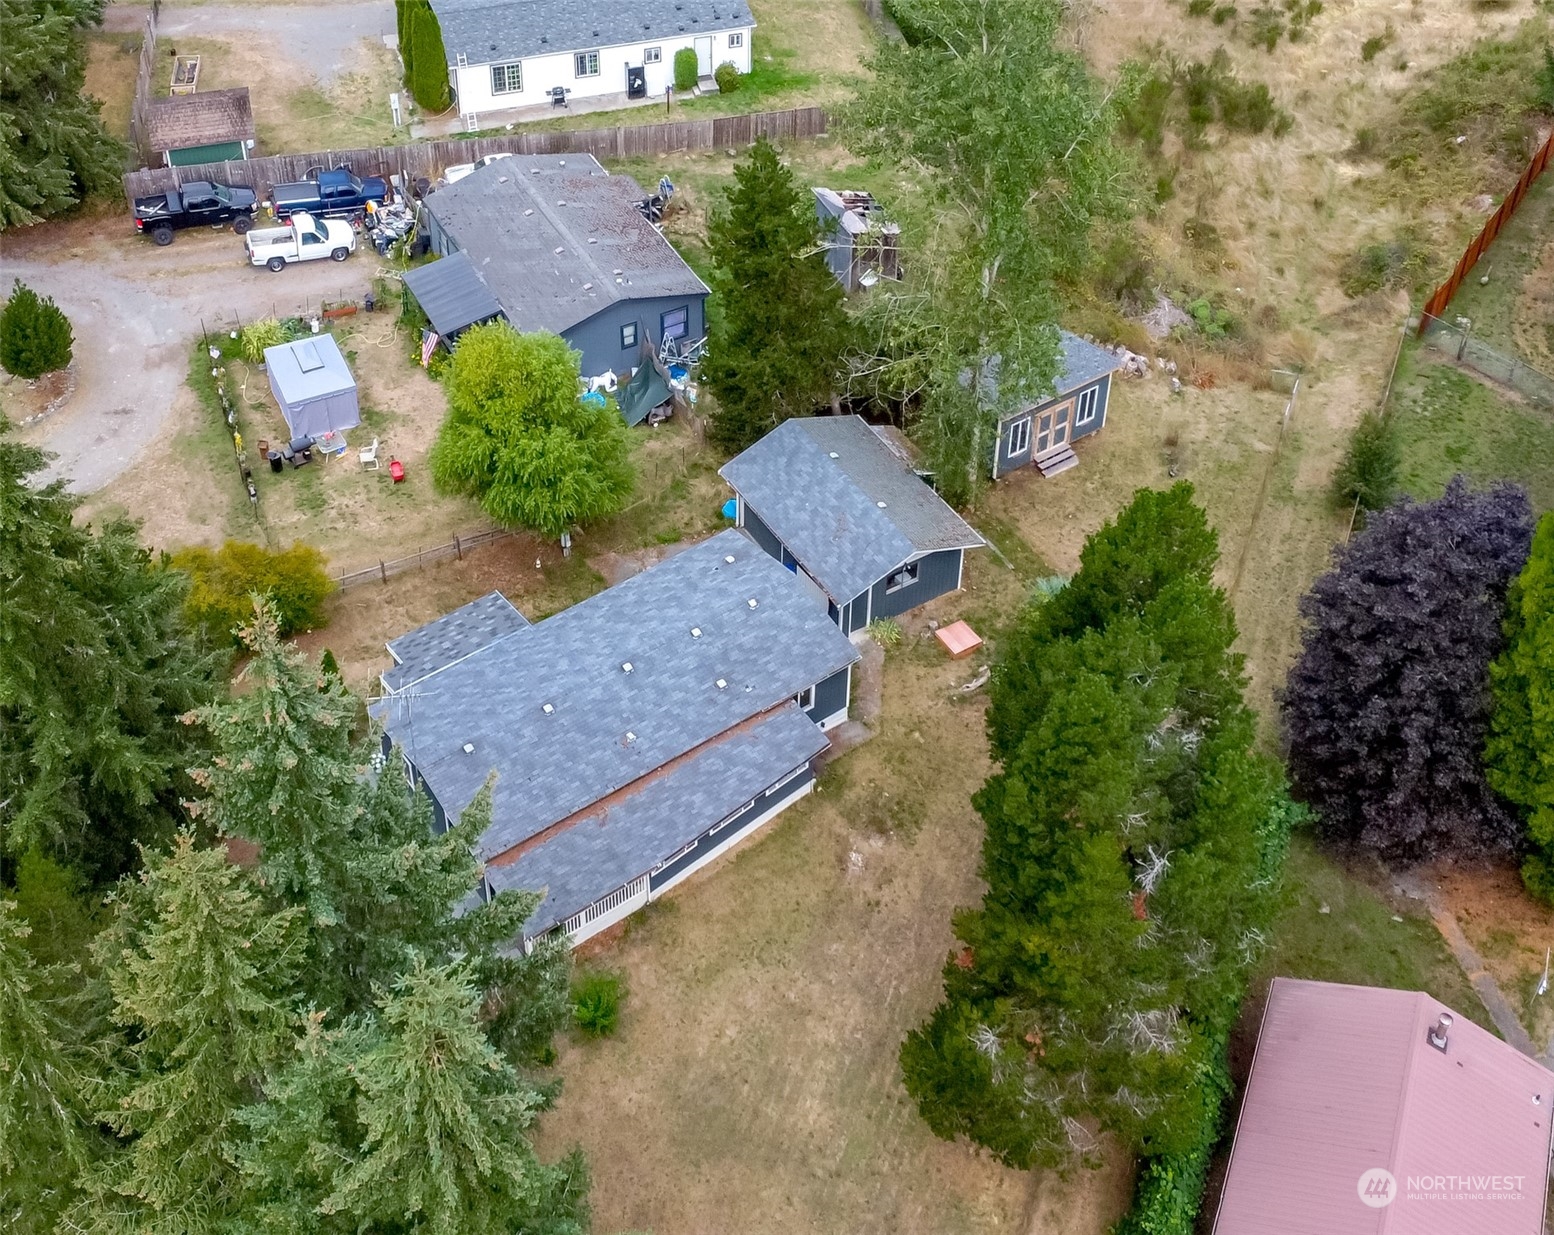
x,y
276,462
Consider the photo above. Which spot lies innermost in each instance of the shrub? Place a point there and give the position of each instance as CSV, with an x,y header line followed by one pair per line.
x,y
1199,8
1224,13
225,581
1213,321
35,337
1377,43
727,77
596,1002
686,69
1389,264
885,631
256,336
1369,473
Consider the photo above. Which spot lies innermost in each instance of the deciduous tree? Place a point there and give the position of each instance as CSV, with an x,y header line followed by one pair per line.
x,y
778,344
1520,752
224,582
1387,708
520,441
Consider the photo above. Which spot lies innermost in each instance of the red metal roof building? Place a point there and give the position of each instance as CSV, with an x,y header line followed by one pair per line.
x,y
1381,1112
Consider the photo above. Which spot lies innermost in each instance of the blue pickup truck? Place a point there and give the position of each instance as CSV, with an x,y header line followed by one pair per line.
x,y
329,195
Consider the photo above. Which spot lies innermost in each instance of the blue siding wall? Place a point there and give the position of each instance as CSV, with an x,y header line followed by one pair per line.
x,y
1008,461
714,837
830,696
419,785
937,574
599,338
761,534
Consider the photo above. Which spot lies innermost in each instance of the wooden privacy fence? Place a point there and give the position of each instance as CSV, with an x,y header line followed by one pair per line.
x,y
140,109
426,160
1442,295
457,547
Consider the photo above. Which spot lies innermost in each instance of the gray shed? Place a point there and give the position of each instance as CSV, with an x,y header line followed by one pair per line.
x,y
311,382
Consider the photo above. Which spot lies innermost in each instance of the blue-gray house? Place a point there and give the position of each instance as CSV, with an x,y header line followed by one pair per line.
x,y
1043,431
557,243
633,737
835,503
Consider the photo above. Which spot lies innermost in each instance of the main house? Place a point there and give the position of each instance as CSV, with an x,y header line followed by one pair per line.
x,y
633,737
1042,431
831,500
505,54
554,242
1373,1111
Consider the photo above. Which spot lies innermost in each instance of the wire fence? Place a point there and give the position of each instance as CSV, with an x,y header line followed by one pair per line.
x,y
1455,340
455,548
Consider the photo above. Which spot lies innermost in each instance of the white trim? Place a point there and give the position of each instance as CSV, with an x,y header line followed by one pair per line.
x,y
912,572
717,851
1081,420
506,67
653,55
960,568
1015,427
607,911
799,698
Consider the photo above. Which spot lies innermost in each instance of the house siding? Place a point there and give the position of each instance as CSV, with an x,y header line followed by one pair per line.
x,y
832,697
761,534
716,839
472,82
599,337
937,573
1008,461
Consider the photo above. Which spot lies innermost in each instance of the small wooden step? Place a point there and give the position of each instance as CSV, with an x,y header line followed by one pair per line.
x,y
1058,462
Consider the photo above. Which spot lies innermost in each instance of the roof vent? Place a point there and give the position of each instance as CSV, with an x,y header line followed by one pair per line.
x,y
729,559
630,737
593,240
881,505
548,709
561,162
544,38
1436,1034
751,602
626,666
834,455
619,280
560,202
695,632
588,287
617,270
526,213
722,683
561,248
469,748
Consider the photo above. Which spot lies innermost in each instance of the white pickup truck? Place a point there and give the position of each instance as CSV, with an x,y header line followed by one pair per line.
x,y
303,239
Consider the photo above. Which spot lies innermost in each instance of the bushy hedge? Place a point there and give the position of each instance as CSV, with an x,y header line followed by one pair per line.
x,y
596,1002
225,581
727,77
686,69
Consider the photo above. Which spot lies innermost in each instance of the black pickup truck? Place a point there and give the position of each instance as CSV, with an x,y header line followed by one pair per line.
x,y
196,204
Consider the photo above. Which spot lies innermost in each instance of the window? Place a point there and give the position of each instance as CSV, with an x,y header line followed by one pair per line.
x,y
652,55
675,324
1020,436
628,336
805,698
1089,404
905,577
506,78
587,63
736,39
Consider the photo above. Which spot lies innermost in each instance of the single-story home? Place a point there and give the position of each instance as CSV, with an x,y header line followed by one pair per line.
x,y
213,126
633,737
1383,1112
558,244
862,245
833,501
505,54
313,385
1043,431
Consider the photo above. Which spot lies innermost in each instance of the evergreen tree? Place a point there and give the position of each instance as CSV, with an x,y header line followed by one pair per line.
x,y
46,1138
1368,476
203,976
1387,708
426,69
779,341
1132,840
520,441
53,148
1520,751
97,666
35,336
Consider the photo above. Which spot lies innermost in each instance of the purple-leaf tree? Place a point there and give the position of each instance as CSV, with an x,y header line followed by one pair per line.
x,y
1387,709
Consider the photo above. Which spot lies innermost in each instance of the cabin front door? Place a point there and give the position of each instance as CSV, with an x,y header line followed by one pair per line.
x,y
1052,426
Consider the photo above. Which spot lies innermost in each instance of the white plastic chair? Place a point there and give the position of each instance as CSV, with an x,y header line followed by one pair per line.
x,y
369,455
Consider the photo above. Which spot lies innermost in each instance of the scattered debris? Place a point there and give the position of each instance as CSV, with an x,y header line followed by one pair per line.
x,y
1324,908
1204,379
1164,318
978,682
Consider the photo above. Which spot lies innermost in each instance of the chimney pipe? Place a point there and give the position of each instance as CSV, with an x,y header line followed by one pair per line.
x,y
1436,1034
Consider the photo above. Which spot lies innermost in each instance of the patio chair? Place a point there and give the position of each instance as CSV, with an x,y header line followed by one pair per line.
x,y
369,456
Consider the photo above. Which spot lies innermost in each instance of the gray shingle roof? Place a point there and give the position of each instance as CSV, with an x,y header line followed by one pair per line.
x,y
1079,364
632,833
451,637
557,239
486,31
607,727
204,119
852,519
452,294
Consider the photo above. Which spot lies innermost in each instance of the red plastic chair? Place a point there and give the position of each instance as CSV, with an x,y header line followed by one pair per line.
x,y
396,470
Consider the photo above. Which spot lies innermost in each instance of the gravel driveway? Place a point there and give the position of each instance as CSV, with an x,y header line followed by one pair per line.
x,y
135,308
323,37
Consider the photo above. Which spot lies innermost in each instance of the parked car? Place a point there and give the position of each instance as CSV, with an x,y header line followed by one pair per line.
x,y
458,171
331,194
196,204
303,239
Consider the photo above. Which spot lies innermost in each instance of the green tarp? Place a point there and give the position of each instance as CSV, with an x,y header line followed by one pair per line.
x,y
648,387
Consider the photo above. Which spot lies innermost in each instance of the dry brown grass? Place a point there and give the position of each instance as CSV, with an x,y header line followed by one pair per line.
x,y
112,60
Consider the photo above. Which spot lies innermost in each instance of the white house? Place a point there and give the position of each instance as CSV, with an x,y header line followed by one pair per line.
x,y
505,54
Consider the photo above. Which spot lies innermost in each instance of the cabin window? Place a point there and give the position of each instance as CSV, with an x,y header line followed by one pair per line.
x,y
1020,436
675,324
652,55
587,64
506,78
805,698
736,39
628,336
905,577
1089,403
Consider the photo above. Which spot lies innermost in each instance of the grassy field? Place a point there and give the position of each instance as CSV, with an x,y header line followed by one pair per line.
x,y
112,60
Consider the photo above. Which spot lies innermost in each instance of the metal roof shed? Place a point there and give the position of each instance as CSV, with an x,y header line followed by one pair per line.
x,y
313,385
452,294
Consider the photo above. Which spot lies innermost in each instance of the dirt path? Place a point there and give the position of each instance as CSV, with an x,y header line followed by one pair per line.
x,y
135,309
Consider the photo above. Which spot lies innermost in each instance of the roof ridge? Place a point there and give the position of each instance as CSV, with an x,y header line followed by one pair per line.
x,y
1421,1005
565,228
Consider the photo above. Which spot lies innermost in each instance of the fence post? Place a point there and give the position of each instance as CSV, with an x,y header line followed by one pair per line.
x,y
382,571
1462,347
458,549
